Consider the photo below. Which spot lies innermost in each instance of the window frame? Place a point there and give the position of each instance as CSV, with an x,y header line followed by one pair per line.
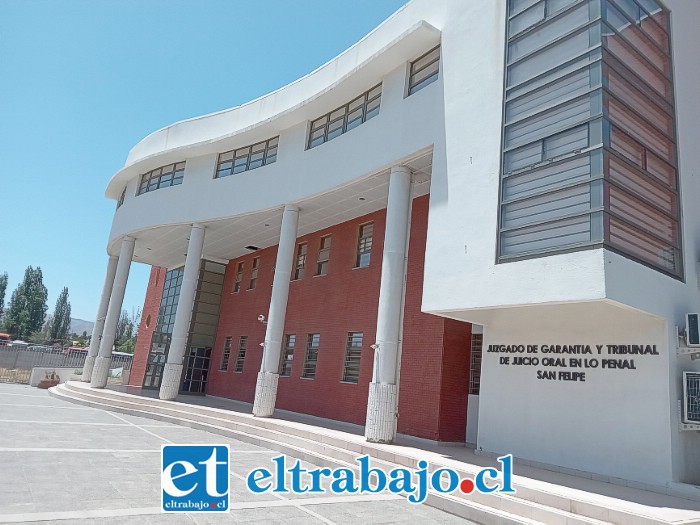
x,y
300,261
323,264
238,277
226,354
362,244
349,358
307,371
340,115
415,87
287,355
240,354
255,266
156,178
243,156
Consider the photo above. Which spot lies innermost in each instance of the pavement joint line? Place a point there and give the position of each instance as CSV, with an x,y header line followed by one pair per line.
x,y
139,427
285,499
300,503
22,395
45,406
88,423
110,450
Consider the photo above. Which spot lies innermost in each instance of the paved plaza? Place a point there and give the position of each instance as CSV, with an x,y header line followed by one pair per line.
x,y
65,463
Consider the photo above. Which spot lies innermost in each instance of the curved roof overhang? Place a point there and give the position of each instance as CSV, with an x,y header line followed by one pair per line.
x,y
390,45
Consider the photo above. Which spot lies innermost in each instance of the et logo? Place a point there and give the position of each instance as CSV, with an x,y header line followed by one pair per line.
x,y
195,478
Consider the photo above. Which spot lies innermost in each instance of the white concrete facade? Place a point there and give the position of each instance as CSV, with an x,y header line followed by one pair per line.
x,y
587,297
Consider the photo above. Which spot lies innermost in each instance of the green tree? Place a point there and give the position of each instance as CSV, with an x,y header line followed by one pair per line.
x,y
3,288
26,310
127,331
60,322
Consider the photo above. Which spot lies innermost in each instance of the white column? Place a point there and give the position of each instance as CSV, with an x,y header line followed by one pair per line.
x,y
266,387
100,319
382,402
100,372
170,385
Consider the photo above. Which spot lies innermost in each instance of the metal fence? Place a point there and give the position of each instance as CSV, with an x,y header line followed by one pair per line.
x,y
16,362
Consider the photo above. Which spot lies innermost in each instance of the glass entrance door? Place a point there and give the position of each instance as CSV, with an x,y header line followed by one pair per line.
x,y
197,371
154,371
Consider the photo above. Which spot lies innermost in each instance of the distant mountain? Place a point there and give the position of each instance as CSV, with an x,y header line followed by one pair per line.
x,y
78,326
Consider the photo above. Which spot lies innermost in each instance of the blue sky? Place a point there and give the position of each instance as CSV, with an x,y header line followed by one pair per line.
x,y
82,81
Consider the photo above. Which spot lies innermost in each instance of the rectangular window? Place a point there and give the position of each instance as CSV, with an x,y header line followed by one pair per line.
x,y
254,273
121,198
424,70
353,353
300,262
170,175
240,355
246,158
313,341
238,278
324,254
475,364
226,355
364,245
288,355
345,118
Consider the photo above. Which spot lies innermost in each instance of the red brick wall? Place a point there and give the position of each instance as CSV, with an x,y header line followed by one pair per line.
x,y
431,352
435,355
149,319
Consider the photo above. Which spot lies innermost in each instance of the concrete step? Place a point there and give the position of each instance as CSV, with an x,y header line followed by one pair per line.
x,y
533,502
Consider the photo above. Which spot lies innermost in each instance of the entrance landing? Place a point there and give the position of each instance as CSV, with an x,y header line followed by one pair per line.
x,y
542,496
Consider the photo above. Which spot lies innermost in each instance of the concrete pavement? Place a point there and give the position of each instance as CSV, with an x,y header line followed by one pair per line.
x,y
65,463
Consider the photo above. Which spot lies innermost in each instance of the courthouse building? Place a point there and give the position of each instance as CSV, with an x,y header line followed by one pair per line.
x,y
477,225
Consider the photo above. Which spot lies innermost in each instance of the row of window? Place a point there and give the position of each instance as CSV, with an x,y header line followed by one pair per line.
x,y
423,71
362,259
351,362
589,154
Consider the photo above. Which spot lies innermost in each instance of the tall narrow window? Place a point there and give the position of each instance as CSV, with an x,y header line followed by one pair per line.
x,y
225,356
240,355
286,363
254,273
312,343
424,70
324,254
475,364
121,198
300,263
364,245
238,278
353,353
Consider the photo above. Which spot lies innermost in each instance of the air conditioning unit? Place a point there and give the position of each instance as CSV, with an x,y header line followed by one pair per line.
x,y
692,330
691,397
